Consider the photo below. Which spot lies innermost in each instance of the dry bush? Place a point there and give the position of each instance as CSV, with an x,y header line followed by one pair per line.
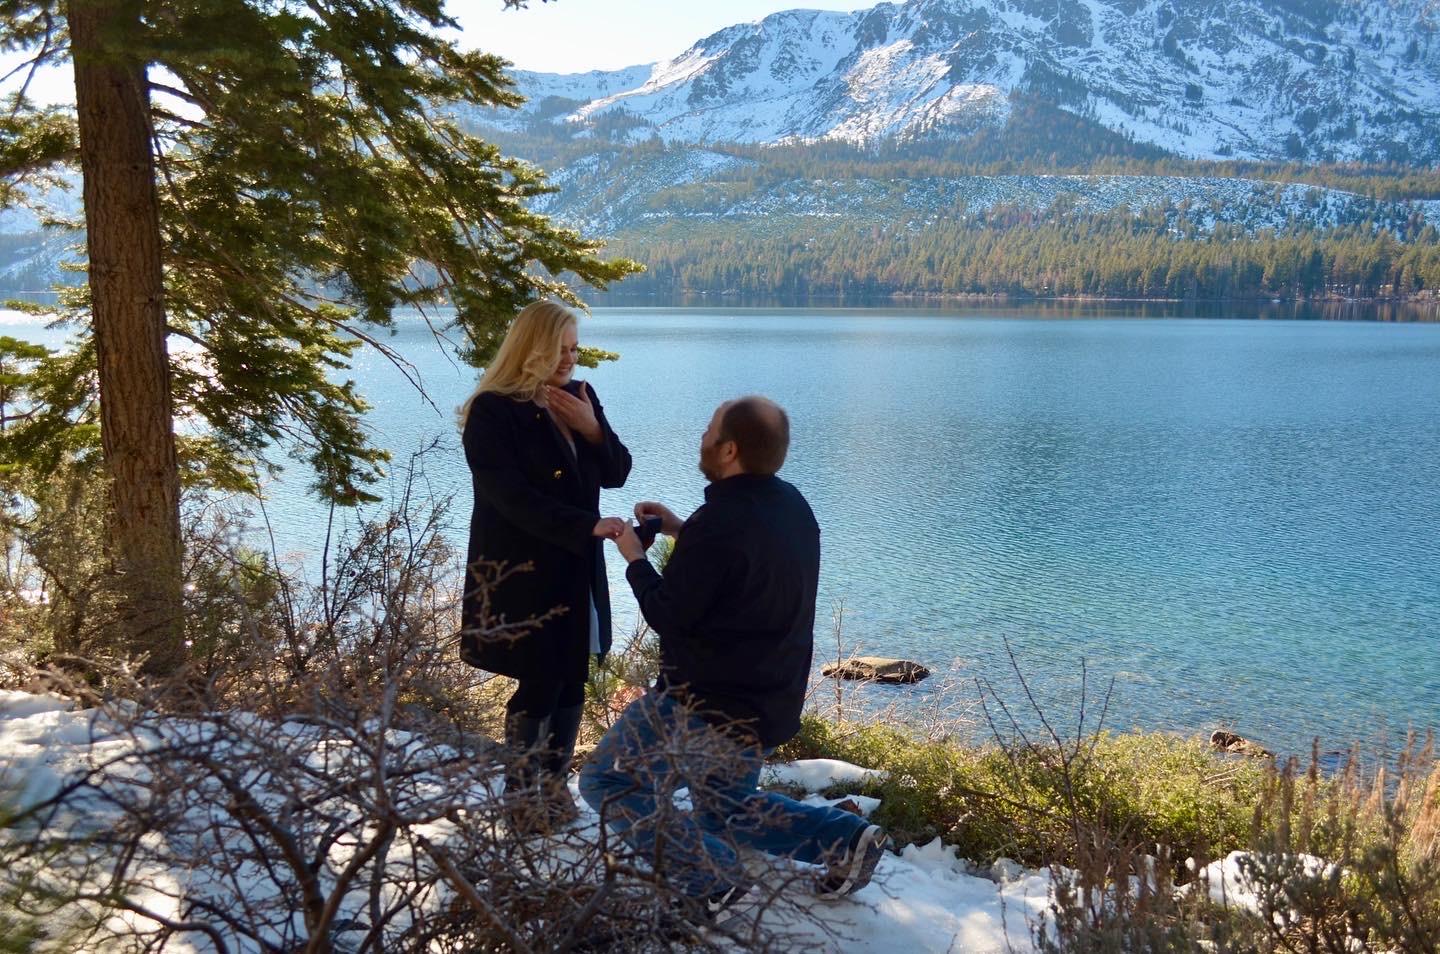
x,y
1373,824
57,596
347,828
1333,864
324,779
624,675
628,670
1114,887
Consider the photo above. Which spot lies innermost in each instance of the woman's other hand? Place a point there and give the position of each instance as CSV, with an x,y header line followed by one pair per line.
x,y
576,413
610,528
669,523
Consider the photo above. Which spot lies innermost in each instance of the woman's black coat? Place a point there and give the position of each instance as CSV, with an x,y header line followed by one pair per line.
x,y
537,502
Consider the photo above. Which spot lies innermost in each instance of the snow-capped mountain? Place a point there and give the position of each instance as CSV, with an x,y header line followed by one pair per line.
x,y
31,255
1261,79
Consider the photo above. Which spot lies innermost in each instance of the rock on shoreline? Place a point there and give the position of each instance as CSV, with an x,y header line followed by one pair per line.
x,y
1238,745
876,669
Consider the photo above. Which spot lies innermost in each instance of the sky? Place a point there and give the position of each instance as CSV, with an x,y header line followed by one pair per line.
x,y
561,36
573,36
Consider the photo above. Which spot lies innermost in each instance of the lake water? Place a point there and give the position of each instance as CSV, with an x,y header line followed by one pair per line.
x,y
1238,521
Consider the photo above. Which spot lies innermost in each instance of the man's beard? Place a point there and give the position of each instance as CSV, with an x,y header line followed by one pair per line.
x,y
707,464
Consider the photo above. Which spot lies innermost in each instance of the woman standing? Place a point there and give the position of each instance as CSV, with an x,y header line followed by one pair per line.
x,y
539,449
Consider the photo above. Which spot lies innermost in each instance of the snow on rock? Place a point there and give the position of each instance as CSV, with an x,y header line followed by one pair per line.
x,y
548,95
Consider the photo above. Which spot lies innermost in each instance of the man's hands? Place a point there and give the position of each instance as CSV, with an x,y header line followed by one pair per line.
x,y
576,413
669,523
627,542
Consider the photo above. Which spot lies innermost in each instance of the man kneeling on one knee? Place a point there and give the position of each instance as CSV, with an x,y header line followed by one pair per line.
x,y
735,615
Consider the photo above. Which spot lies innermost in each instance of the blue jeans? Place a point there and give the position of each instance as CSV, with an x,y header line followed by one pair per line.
x,y
658,747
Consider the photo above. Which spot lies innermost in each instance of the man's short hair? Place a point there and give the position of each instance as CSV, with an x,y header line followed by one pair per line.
x,y
761,432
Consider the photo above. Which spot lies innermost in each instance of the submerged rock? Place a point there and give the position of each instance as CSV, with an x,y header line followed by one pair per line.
x,y
876,669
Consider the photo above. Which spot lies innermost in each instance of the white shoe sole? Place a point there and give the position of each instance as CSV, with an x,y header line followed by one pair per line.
x,y
859,867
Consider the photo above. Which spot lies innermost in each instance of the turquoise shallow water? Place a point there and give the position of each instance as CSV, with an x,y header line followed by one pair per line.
x,y
1238,521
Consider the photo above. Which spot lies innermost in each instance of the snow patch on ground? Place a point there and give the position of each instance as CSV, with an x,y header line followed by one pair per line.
x,y
925,898
1230,881
816,775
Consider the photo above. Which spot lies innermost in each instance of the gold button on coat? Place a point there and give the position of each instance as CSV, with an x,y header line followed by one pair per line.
x,y
558,474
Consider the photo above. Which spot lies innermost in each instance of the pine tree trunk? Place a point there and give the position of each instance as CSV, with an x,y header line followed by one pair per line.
x,y
123,235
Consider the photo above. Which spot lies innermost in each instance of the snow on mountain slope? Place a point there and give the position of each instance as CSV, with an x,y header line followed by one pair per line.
x,y
605,193
553,94
598,194
1331,79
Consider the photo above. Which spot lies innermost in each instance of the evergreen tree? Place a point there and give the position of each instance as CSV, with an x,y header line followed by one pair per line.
x,y
267,181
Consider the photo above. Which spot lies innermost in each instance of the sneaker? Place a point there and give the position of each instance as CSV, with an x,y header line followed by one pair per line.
x,y
856,867
713,908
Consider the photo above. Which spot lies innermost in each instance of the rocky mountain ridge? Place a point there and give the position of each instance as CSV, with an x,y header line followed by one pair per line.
x,y
1335,80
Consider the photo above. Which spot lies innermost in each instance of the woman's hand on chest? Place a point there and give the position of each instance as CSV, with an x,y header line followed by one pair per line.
x,y
576,413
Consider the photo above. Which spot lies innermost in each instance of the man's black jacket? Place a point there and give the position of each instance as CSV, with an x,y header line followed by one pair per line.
x,y
735,610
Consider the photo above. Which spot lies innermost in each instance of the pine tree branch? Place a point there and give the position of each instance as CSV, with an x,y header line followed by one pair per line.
x,y
49,49
181,95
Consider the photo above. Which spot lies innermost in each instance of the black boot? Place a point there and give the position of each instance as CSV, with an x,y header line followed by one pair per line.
x,y
560,746
537,801
523,736
555,764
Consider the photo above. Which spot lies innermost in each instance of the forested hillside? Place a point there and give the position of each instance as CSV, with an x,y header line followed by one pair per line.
x,y
1010,251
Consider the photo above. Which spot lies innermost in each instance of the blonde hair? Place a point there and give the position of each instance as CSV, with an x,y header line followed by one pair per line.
x,y
527,357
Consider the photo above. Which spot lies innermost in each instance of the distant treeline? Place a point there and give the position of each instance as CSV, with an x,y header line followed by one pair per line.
x,y
1384,182
1014,252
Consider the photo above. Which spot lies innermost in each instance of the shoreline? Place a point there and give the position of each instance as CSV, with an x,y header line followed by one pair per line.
x,y
1329,755
1428,302
1424,308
